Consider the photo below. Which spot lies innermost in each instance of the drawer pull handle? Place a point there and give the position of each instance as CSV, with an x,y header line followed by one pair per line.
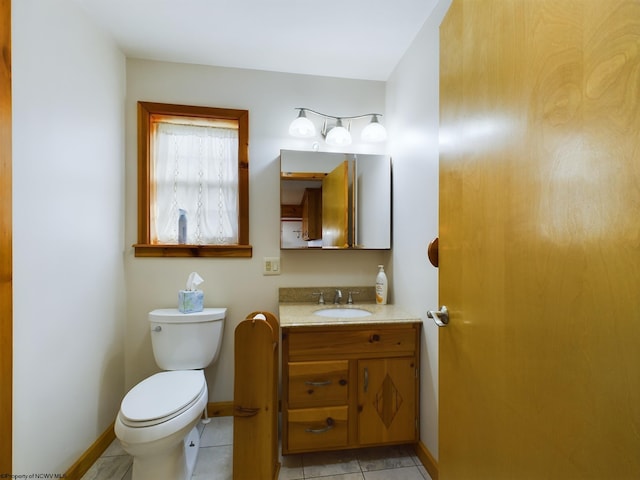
x,y
330,424
318,384
374,338
366,379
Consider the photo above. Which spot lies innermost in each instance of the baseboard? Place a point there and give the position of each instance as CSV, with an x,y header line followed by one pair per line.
x,y
89,457
220,409
430,463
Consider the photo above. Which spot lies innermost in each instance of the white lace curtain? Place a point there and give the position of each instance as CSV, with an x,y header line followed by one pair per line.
x,y
195,169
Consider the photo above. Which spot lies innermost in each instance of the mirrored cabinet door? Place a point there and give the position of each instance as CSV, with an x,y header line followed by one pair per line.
x,y
335,200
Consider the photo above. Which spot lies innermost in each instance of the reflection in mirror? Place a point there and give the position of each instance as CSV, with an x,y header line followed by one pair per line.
x,y
334,200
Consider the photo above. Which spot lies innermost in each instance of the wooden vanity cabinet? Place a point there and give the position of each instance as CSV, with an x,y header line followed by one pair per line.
x,y
349,386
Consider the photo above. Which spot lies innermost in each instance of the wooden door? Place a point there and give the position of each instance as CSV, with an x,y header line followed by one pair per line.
x,y
386,400
540,240
6,257
335,207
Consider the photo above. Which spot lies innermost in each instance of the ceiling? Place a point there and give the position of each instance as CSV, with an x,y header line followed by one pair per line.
x,y
363,39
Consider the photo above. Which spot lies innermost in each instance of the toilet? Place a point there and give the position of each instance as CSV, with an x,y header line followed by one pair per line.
x,y
157,421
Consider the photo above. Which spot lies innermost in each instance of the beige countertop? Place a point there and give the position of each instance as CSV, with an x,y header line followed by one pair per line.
x,y
301,315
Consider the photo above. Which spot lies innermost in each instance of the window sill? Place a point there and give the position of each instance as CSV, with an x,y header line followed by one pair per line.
x,y
147,250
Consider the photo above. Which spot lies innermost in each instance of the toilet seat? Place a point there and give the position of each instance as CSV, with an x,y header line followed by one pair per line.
x,y
161,397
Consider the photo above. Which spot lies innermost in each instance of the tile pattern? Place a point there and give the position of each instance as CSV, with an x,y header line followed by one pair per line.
x,y
215,460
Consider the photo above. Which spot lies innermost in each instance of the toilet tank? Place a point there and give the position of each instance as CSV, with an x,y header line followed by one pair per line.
x,y
186,341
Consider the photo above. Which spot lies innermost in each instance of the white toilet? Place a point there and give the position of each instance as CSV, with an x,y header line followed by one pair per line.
x,y
157,422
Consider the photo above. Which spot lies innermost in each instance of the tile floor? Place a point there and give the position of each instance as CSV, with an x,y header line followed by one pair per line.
x,y
215,461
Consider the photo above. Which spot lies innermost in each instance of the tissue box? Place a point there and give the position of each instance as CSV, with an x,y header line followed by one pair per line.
x,y
190,301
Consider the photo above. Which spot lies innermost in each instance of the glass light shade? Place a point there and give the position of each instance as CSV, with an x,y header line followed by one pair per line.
x,y
374,132
302,127
338,136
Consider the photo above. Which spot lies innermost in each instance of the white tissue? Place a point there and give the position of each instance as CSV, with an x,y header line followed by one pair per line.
x,y
193,281
259,316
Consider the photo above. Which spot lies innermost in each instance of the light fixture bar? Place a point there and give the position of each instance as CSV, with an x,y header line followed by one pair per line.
x,y
302,127
339,118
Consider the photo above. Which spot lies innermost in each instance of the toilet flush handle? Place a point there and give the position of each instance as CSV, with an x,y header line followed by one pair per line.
x,y
158,328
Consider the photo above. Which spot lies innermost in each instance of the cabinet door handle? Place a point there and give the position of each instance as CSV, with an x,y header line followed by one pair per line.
x,y
366,379
330,424
318,384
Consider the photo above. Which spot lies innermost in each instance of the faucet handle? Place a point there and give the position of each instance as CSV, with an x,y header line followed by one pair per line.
x,y
320,297
350,299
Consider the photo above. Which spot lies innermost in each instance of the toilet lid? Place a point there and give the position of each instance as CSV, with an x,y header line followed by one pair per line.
x,y
162,396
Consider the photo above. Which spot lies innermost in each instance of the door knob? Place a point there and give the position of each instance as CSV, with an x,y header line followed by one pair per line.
x,y
432,252
441,317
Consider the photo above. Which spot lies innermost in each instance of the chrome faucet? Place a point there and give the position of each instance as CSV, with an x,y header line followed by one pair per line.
x,y
338,297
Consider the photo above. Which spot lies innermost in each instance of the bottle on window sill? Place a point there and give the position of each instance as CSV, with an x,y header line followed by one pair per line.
x,y
182,227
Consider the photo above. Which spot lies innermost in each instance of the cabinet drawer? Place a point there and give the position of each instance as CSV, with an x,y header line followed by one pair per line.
x,y
351,343
313,384
317,428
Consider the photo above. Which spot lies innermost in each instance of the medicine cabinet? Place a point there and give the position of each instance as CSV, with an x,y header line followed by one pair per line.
x,y
335,200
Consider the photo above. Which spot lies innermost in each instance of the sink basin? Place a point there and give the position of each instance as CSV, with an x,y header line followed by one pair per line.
x,y
342,312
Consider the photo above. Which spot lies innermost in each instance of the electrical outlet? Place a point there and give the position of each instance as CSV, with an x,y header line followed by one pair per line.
x,y
271,266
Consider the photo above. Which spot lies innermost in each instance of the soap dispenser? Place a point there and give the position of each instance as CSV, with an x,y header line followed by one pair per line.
x,y
381,286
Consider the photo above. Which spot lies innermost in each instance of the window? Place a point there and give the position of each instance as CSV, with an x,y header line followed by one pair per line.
x,y
193,159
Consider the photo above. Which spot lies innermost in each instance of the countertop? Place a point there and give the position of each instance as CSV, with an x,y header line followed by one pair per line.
x,y
301,315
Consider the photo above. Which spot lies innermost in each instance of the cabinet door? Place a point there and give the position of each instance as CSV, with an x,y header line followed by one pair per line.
x,y
387,406
312,214
335,207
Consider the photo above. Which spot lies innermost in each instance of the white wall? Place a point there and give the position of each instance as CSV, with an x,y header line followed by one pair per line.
x,y
235,282
68,201
412,112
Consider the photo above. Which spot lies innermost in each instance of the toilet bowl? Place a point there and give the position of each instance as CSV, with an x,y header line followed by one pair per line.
x,y
157,424
157,421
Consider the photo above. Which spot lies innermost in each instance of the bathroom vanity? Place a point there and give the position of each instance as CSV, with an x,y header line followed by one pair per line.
x,y
348,382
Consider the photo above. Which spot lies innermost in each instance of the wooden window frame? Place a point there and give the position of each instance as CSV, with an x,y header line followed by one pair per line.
x,y
144,247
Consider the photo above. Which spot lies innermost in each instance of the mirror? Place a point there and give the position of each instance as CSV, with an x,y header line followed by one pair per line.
x,y
334,200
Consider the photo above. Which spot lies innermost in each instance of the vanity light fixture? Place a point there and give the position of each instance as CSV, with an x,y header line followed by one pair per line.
x,y
374,132
337,134
302,127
